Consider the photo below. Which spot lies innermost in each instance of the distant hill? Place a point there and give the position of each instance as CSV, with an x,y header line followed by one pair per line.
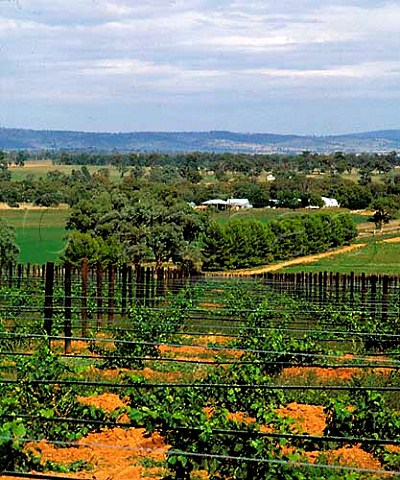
x,y
213,141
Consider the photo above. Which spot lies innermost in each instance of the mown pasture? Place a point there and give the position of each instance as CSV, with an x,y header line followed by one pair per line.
x,y
379,256
42,168
40,233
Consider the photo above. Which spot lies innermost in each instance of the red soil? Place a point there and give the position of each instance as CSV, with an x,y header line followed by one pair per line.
x,y
307,418
114,454
323,374
353,456
118,454
107,401
326,375
198,353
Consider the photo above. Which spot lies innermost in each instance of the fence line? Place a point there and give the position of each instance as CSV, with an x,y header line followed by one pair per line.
x,y
109,290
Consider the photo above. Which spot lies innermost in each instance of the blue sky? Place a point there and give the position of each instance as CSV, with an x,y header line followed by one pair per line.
x,y
288,66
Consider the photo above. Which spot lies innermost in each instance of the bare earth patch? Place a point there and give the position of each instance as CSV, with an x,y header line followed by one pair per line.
x,y
189,352
391,240
307,418
114,454
296,261
326,375
30,206
353,456
107,401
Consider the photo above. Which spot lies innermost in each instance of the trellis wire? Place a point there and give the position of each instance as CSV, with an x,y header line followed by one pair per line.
x,y
208,455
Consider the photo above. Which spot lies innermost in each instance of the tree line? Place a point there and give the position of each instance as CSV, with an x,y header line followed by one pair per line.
x,y
145,214
297,181
240,244
135,228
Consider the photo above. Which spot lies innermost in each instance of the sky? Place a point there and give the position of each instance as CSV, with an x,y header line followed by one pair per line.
x,y
280,66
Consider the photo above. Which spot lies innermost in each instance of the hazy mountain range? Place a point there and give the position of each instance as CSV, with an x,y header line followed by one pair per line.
x,y
213,141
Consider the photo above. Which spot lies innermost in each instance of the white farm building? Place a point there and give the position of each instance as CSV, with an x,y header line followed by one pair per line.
x,y
231,203
330,202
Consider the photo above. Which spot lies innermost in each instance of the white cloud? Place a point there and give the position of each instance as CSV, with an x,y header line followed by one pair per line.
x,y
125,67
99,50
360,71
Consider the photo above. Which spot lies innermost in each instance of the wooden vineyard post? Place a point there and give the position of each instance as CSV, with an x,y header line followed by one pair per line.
x,y
130,286
147,293
314,295
374,280
99,293
48,298
299,282
330,285
153,286
111,285
351,289
67,309
19,273
124,288
307,286
280,282
28,272
84,313
344,287
160,283
385,299
337,287
139,284
364,291
10,275
320,288
325,287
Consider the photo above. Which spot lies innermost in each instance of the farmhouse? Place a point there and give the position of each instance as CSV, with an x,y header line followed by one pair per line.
x,y
330,202
231,203
216,203
238,203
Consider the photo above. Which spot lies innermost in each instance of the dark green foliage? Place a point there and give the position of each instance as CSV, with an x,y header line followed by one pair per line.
x,y
45,402
384,208
8,248
114,227
240,244
12,439
148,327
368,416
253,400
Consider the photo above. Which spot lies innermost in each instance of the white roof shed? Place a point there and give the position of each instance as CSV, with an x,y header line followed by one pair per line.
x,y
330,202
216,201
239,202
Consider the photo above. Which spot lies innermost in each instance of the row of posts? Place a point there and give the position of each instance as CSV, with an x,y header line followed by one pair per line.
x,y
150,283
328,286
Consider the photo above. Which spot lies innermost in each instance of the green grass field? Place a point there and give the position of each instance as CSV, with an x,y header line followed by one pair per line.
x,y
375,258
40,169
40,233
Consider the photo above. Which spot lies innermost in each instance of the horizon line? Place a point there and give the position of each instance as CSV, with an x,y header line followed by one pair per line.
x,y
110,132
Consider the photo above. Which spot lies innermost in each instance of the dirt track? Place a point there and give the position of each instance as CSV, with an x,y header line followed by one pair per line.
x,y
295,261
29,206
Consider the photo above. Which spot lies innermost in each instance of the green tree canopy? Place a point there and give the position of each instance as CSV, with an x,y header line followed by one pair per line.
x,y
384,209
9,249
